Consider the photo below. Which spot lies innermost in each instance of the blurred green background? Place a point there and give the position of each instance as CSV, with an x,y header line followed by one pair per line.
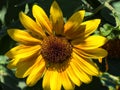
x,y
107,10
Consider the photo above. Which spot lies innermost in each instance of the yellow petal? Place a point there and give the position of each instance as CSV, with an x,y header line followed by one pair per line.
x,y
36,74
12,52
42,18
93,53
72,76
100,60
31,25
66,82
46,80
85,29
92,42
75,34
21,49
90,26
77,40
79,72
73,23
55,82
24,68
56,18
24,54
11,64
23,37
86,65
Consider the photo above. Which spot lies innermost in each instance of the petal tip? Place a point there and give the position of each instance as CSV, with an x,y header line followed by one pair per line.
x,y
82,12
54,2
10,31
21,14
98,21
35,6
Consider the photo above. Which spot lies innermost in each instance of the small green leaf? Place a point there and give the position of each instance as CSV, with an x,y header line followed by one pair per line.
x,y
3,59
106,30
110,80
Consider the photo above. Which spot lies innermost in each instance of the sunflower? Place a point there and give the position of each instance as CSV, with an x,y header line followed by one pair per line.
x,y
60,52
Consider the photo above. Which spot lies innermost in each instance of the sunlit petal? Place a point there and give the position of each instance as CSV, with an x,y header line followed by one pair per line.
x,y
84,77
66,82
93,53
86,65
24,68
91,42
21,49
46,80
56,18
72,76
36,74
42,18
90,26
23,37
73,24
14,51
55,81
23,55
31,25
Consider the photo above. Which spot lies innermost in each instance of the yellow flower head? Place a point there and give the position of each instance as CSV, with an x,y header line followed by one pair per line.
x,y
59,52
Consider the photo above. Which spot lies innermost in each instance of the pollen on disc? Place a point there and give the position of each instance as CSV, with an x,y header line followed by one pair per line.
x,y
56,49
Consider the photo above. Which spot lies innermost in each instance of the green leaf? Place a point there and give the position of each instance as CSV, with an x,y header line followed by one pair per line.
x,y
3,59
110,80
116,6
7,79
106,30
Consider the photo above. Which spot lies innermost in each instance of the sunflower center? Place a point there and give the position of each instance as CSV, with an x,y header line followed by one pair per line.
x,y
56,50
